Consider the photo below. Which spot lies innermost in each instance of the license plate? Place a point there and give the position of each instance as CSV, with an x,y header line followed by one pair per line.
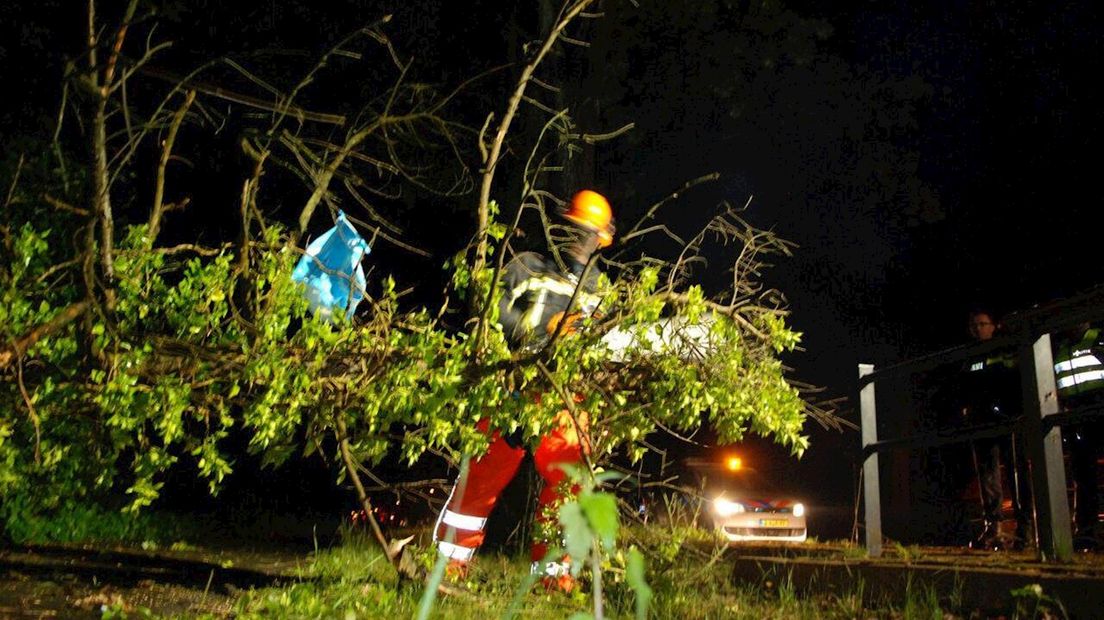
x,y
773,522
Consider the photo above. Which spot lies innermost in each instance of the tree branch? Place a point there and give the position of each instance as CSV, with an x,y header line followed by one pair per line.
x,y
22,344
362,495
490,162
159,182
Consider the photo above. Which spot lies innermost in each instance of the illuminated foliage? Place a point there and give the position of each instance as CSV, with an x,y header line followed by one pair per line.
x,y
128,357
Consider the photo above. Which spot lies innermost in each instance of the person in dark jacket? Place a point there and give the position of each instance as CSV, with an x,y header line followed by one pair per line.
x,y
989,393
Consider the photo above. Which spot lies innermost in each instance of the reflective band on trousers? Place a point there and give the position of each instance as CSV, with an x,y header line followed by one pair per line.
x,y
455,552
463,522
1077,362
1081,377
551,569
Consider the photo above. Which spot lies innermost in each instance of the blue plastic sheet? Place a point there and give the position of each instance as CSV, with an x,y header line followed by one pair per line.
x,y
331,270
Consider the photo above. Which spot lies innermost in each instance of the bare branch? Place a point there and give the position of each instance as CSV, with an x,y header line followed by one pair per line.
x,y
650,213
15,181
365,501
377,231
120,36
253,102
569,406
30,410
594,138
154,226
729,311
324,176
491,161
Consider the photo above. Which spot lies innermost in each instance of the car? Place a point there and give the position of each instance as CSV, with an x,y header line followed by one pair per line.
x,y
745,506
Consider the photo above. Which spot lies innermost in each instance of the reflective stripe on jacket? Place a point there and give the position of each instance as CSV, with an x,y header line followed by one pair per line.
x,y
989,387
1079,366
534,291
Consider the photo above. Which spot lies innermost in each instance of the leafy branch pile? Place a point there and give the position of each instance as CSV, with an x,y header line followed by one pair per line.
x,y
124,355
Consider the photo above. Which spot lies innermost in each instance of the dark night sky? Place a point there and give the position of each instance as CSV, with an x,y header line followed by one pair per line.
x,y
1002,141
926,157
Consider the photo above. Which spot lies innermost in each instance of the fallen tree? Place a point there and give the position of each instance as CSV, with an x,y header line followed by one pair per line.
x,y
125,355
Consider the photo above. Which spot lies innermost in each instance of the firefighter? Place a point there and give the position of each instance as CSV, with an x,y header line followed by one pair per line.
x,y
535,299
1079,374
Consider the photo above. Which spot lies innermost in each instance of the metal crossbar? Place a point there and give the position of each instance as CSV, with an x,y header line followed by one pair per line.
x,y
1041,426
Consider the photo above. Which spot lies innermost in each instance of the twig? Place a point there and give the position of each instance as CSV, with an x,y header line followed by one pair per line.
x,y
64,206
154,226
30,410
650,213
365,502
729,311
14,182
569,404
253,102
56,268
500,257
490,162
377,231
594,138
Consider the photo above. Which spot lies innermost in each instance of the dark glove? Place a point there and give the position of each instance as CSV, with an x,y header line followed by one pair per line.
x,y
514,439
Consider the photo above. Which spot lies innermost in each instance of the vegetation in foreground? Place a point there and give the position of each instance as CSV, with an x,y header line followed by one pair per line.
x,y
688,571
355,581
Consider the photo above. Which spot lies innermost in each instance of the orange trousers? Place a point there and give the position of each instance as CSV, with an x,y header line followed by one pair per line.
x,y
467,509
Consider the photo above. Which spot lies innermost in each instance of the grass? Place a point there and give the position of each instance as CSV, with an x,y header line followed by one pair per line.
x,y
90,523
688,569
354,581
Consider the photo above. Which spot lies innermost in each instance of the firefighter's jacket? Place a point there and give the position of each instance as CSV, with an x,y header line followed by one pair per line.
x,y
1079,366
536,293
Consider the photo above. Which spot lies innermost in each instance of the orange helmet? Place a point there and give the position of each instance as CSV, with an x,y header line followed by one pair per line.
x,y
592,211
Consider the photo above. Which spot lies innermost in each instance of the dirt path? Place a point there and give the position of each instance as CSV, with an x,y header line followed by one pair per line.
x,y
78,582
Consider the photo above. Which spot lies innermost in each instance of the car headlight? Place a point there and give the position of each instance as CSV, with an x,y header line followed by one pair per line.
x,y
725,508
799,510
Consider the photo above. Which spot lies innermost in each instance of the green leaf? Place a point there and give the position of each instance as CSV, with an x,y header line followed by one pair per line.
x,y
577,534
601,513
634,575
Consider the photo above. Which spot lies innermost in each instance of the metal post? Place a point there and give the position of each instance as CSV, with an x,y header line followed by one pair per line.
x,y
872,498
1044,448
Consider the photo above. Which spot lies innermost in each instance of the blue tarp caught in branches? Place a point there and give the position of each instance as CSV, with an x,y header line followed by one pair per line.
x,y
331,270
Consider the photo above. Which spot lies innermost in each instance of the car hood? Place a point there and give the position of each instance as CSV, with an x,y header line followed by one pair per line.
x,y
765,503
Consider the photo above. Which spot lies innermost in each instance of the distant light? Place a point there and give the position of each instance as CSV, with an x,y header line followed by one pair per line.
x,y
734,463
799,509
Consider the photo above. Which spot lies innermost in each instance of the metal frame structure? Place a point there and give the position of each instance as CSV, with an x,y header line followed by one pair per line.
x,y
1041,423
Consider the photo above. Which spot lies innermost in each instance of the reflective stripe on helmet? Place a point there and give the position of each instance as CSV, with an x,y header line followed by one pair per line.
x,y
464,522
455,552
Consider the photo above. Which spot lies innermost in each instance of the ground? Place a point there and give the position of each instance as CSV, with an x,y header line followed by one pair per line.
x,y
692,578
82,581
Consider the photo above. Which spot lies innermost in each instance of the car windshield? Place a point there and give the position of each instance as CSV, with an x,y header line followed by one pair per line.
x,y
744,482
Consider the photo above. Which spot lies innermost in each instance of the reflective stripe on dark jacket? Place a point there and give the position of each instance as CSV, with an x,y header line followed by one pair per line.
x,y
990,388
535,290
1079,366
